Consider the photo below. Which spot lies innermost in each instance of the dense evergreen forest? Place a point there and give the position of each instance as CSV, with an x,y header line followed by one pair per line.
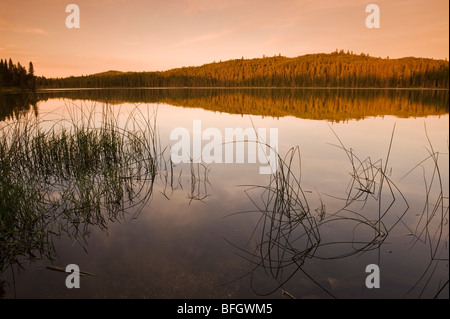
x,y
12,75
337,69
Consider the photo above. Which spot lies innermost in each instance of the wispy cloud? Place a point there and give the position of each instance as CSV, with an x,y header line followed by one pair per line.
x,y
36,31
154,34
8,26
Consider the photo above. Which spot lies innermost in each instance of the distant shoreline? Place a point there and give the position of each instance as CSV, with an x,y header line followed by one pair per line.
x,y
242,88
334,71
19,90
14,90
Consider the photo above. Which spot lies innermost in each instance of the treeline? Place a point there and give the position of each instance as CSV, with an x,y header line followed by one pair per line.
x,y
337,69
12,75
334,105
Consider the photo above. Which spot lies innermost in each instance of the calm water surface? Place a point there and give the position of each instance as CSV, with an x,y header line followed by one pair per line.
x,y
366,191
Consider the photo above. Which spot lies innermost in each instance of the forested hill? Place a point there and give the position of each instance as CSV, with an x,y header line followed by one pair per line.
x,y
337,69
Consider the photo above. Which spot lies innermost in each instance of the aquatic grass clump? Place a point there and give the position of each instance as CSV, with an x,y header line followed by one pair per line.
x,y
65,176
372,200
291,232
288,228
21,229
432,227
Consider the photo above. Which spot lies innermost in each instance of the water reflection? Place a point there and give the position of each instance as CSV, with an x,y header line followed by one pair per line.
x,y
13,106
73,175
293,234
82,173
333,105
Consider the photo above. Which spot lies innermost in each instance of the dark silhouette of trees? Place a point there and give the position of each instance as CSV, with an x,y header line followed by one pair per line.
x,y
12,75
31,79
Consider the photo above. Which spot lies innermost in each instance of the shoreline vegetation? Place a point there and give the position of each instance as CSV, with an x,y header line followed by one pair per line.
x,y
324,70
338,78
241,88
84,172
337,70
15,78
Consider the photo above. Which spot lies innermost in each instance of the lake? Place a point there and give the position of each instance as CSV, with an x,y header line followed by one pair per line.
x,y
361,179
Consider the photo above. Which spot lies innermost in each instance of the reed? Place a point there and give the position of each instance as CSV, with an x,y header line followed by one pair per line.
x,y
69,175
291,232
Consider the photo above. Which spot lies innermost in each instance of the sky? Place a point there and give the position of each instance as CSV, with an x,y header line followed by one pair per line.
x,y
150,35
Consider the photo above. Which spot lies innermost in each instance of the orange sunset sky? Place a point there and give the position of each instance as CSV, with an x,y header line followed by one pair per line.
x,y
150,35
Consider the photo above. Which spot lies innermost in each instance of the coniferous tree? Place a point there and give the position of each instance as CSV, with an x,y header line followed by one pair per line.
x,y
31,79
12,75
337,69
2,72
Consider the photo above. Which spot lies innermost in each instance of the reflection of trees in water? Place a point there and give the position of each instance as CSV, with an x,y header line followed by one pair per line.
x,y
12,106
320,104
292,233
82,173
77,175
